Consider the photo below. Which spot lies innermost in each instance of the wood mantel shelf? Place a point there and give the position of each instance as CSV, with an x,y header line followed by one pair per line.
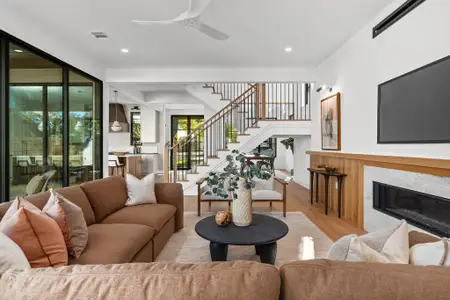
x,y
353,165
435,163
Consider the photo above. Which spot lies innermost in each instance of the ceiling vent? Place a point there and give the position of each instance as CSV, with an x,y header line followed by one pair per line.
x,y
99,35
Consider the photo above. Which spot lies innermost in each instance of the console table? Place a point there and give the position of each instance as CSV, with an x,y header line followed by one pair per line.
x,y
340,178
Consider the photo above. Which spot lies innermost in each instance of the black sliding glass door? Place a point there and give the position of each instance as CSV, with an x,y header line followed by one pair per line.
x,y
190,152
51,122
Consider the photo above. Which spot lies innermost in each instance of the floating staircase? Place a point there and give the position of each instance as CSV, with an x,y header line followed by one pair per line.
x,y
250,113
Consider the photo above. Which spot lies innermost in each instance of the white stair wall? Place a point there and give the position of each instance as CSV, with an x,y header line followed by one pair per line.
x,y
265,130
206,95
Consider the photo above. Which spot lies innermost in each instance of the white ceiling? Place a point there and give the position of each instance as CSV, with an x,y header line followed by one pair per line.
x,y
259,30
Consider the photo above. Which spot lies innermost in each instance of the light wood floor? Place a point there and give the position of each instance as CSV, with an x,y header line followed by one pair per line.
x,y
298,199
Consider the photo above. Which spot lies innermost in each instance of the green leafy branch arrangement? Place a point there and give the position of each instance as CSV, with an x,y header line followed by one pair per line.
x,y
236,169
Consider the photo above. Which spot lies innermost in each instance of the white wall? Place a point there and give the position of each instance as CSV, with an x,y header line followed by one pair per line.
x,y
167,103
34,34
189,75
280,160
301,160
358,67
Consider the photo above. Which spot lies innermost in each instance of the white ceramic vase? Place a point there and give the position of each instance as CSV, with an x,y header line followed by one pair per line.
x,y
242,206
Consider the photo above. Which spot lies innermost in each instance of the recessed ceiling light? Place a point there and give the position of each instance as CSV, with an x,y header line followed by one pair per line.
x,y
124,50
288,49
18,51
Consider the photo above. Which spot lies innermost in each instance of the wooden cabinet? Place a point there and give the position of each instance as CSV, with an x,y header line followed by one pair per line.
x,y
149,125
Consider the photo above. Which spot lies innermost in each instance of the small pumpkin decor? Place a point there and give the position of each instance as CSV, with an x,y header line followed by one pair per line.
x,y
223,218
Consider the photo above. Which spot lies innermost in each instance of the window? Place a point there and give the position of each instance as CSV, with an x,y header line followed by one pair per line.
x,y
51,116
191,150
135,132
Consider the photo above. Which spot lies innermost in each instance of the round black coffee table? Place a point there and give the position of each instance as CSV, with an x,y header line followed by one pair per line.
x,y
263,233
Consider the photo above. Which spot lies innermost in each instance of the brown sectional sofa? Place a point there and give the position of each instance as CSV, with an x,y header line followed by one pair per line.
x,y
306,280
120,234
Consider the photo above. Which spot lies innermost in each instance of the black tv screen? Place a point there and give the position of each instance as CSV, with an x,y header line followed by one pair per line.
x,y
415,107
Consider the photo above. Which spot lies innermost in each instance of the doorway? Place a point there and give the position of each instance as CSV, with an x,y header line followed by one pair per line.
x,y
191,150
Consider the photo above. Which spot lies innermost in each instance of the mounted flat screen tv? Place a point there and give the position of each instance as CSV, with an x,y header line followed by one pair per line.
x,y
415,107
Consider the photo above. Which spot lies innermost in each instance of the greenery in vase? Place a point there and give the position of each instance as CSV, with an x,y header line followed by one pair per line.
x,y
236,169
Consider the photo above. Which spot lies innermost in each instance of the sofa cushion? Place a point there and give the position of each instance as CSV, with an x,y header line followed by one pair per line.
x,y
76,195
70,220
153,215
113,243
106,195
393,243
11,256
35,233
225,281
324,280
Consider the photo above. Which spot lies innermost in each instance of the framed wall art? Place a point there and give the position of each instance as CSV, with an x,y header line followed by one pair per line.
x,y
330,119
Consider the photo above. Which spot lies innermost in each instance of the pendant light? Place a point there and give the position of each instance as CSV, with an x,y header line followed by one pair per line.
x,y
116,125
79,126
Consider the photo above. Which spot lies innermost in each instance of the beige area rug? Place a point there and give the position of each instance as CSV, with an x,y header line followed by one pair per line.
x,y
186,246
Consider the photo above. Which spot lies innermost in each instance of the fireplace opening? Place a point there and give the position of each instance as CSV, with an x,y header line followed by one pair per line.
x,y
429,212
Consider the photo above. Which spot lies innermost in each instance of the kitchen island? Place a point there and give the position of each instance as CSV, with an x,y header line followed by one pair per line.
x,y
140,164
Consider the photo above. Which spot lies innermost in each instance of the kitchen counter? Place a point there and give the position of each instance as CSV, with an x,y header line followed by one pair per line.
x,y
140,164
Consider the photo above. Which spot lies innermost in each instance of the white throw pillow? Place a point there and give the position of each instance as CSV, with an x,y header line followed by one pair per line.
x,y
430,254
141,191
392,243
11,256
359,251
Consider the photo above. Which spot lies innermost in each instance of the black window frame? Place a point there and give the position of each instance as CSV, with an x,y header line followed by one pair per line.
x,y
132,127
5,40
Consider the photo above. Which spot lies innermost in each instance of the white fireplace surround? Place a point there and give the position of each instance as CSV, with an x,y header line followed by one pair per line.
x,y
429,184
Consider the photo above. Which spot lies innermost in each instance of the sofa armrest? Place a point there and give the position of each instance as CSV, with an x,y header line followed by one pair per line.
x,y
172,193
327,279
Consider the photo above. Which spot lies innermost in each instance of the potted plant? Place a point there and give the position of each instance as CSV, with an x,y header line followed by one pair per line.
x,y
237,179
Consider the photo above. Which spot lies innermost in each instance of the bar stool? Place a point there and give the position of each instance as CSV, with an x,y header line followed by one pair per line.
x,y
114,166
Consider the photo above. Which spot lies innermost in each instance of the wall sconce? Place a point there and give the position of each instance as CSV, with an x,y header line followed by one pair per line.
x,y
325,87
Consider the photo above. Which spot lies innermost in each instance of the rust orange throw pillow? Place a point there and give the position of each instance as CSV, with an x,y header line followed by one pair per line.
x,y
70,220
38,235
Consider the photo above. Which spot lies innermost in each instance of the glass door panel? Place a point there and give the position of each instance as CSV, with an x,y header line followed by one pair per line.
x,y
84,129
30,102
55,133
181,129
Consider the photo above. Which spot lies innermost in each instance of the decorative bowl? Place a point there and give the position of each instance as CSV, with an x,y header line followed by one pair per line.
x,y
330,169
223,218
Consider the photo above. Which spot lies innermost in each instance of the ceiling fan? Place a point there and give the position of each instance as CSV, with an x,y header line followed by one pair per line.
x,y
192,19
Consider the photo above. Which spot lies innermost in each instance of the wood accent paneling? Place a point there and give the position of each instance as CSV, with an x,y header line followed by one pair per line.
x,y
351,206
353,166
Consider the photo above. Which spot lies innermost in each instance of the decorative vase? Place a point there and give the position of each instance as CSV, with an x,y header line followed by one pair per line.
x,y
242,206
